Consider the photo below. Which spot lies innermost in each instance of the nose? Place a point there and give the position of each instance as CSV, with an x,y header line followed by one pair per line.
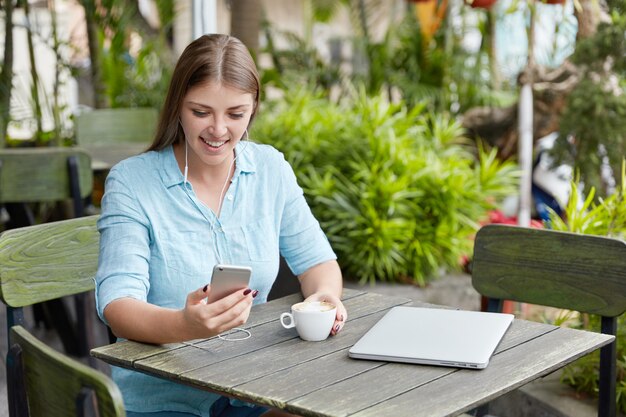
x,y
218,127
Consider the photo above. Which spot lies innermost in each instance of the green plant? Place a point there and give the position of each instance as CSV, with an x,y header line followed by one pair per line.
x,y
594,117
298,64
397,190
439,71
606,218
131,58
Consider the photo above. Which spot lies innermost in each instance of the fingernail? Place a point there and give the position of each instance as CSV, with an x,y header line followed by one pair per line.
x,y
341,318
247,291
255,293
336,328
205,287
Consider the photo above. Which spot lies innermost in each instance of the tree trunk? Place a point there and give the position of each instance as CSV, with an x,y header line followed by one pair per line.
x,y
33,70
6,75
589,15
56,114
99,96
245,23
498,126
496,79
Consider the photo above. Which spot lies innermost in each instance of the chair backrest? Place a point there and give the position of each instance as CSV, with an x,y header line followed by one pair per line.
x,y
44,174
116,126
48,261
49,383
559,269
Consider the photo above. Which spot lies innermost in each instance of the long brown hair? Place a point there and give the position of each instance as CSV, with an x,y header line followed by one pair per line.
x,y
210,58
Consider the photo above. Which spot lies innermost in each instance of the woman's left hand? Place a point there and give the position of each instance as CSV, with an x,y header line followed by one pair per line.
x,y
342,313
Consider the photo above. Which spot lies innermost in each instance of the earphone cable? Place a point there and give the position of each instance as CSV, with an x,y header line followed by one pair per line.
x,y
219,206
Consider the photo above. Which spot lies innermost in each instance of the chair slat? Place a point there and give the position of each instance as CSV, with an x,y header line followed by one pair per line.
x,y
119,125
558,269
41,174
60,259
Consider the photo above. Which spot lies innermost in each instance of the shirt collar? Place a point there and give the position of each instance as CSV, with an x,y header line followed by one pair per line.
x,y
246,162
171,174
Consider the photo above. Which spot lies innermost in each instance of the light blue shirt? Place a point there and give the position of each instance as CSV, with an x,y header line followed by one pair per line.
x,y
159,242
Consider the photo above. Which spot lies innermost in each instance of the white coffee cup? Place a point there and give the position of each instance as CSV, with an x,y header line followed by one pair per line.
x,y
312,319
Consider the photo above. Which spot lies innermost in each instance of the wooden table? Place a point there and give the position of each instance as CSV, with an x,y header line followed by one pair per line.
x,y
277,369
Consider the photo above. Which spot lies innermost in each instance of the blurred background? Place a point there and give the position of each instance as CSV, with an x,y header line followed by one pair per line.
x,y
409,123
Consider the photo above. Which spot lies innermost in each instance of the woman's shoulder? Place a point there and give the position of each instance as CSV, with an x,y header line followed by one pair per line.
x,y
265,153
139,164
147,158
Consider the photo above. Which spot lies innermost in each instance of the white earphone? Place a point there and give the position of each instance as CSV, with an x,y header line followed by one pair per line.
x,y
186,162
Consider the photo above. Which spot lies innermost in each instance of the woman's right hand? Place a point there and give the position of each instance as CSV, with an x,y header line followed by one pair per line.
x,y
202,320
144,322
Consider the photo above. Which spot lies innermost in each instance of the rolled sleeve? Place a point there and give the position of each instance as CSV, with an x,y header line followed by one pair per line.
x,y
123,262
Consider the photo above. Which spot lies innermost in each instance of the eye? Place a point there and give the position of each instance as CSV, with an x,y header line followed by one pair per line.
x,y
236,115
199,113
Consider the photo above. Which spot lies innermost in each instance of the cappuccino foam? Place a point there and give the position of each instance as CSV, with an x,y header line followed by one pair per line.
x,y
314,306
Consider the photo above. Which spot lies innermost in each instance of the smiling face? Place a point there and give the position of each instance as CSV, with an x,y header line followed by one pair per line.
x,y
214,118
219,59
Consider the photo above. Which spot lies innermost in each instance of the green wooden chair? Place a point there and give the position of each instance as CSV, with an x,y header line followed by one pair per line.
x,y
46,175
113,134
47,383
32,175
119,125
49,261
558,269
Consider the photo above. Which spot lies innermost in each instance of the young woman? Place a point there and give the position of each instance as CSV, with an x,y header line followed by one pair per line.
x,y
203,195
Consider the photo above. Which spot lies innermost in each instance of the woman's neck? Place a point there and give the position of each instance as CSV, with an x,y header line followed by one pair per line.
x,y
210,182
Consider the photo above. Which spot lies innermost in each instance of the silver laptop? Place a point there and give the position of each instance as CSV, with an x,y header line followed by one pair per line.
x,y
432,336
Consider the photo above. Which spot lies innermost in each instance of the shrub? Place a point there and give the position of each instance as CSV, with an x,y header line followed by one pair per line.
x,y
398,191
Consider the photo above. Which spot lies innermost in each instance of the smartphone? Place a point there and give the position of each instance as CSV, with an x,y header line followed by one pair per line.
x,y
227,279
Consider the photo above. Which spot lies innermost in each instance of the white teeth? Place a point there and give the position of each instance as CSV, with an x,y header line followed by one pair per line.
x,y
213,144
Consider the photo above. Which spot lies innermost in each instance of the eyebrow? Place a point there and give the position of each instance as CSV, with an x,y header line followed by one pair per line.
x,y
238,107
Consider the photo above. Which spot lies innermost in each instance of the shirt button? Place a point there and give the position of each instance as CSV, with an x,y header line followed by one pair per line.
x,y
230,197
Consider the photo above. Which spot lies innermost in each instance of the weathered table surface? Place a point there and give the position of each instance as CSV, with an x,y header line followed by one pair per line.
x,y
275,368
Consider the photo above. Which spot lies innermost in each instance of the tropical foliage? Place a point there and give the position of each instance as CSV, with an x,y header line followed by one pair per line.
x,y
593,124
135,59
397,190
418,67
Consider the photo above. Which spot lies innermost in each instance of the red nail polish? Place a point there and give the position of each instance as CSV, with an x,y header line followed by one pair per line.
x,y
247,291
336,328
205,287
341,318
255,293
